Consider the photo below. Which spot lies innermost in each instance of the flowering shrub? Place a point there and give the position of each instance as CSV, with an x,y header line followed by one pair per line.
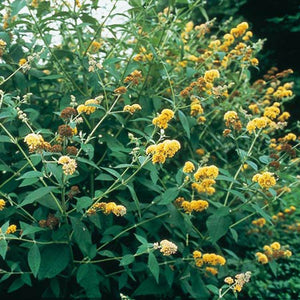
x,y
129,150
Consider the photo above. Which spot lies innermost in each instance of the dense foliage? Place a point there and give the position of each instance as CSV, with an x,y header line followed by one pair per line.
x,y
141,158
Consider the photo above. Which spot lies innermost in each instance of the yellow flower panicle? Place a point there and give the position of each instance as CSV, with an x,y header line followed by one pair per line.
x,y
204,177
272,112
95,46
262,258
194,205
229,280
88,107
132,108
162,120
107,208
196,107
188,167
22,61
162,151
257,123
69,165
208,258
211,75
211,270
265,180
240,29
2,204
231,119
259,222
34,141
135,77
284,116
166,247
273,252
211,172
11,229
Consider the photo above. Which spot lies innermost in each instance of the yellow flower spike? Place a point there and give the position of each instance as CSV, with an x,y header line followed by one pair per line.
x,y
2,204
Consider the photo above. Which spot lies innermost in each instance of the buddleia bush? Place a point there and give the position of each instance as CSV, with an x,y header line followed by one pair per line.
x,y
140,158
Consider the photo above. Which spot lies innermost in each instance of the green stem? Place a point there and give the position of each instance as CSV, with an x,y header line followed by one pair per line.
x,y
240,167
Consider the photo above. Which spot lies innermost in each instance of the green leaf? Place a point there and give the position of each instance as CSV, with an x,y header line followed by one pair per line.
x,y
29,229
88,149
273,266
168,196
104,177
184,122
82,236
234,234
252,165
34,259
260,211
127,259
88,277
217,226
88,162
31,174
54,259
112,172
141,239
135,198
29,181
16,6
153,266
3,248
37,194
5,139
83,203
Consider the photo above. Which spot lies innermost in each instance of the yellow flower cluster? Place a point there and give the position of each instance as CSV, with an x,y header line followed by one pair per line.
x,y
143,55
290,210
210,259
95,46
210,172
240,29
254,108
161,151
194,205
282,92
290,137
22,61
107,208
231,119
2,204
259,222
88,107
273,251
239,281
265,180
11,229
188,167
211,75
284,116
162,120
132,108
257,123
135,77
211,270
196,107
205,177
272,111
68,164
34,141
166,247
